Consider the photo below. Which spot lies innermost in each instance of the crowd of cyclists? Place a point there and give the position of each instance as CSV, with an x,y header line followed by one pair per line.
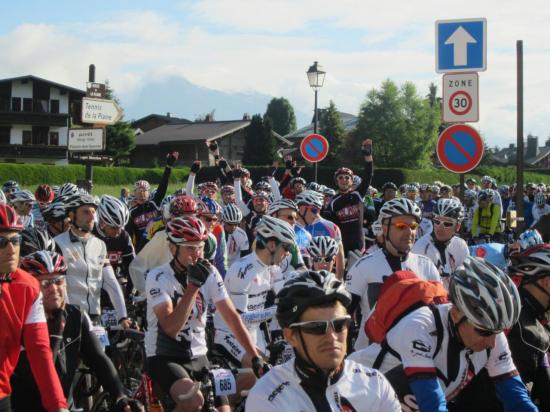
x,y
339,298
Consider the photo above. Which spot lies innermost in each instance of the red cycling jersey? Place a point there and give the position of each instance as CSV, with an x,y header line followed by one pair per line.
x,y
22,322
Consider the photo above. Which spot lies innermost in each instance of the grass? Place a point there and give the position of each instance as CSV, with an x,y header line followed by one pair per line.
x,y
114,190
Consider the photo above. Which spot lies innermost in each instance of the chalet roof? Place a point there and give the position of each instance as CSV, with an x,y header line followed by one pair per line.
x,y
58,85
349,120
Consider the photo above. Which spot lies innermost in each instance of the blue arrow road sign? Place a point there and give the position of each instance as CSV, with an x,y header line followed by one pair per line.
x,y
461,45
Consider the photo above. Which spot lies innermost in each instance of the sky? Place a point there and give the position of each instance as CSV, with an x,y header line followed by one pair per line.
x,y
266,46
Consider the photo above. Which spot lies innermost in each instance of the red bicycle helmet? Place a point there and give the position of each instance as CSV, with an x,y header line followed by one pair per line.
x,y
186,229
182,205
9,221
44,263
44,193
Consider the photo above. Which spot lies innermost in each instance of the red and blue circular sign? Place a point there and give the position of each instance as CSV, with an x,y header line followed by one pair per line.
x,y
460,148
314,148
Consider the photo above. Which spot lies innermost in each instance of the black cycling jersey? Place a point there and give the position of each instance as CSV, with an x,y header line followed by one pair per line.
x,y
529,343
250,222
347,210
142,214
71,340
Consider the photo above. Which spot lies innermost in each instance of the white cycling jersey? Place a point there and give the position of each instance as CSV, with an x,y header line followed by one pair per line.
x,y
237,242
352,389
248,282
414,338
163,287
426,226
456,251
366,276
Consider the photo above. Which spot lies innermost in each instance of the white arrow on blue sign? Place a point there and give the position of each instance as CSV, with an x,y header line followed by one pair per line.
x,y
460,45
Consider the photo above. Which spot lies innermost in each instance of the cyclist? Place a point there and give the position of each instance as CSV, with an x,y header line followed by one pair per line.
x,y
10,187
215,250
236,239
296,185
540,208
399,218
178,294
113,215
443,246
248,282
389,192
309,217
486,219
322,251
33,240
260,202
312,311
470,198
44,195
55,217
22,321
71,340
23,202
529,339
431,354
228,195
146,209
88,267
487,182
155,252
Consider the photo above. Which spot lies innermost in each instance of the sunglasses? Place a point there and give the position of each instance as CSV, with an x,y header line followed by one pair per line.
x,y
58,281
320,327
440,222
210,219
286,247
403,225
323,259
14,240
484,333
314,209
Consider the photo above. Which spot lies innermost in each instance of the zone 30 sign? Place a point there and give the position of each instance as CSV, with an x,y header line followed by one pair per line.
x,y
460,97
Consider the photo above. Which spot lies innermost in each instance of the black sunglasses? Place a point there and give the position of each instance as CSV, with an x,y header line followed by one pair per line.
x,y
320,327
484,333
14,240
286,247
323,259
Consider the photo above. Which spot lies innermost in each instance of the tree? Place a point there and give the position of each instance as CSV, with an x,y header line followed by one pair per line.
x,y
259,147
402,124
332,127
121,137
281,113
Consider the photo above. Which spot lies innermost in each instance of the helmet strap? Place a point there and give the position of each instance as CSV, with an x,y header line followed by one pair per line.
x,y
308,358
388,240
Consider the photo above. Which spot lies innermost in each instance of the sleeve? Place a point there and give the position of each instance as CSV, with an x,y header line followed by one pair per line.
x,y
243,244
131,228
113,289
285,180
495,219
239,198
356,281
475,220
500,361
258,399
514,396
190,186
97,360
429,395
276,193
128,255
215,287
163,186
387,398
37,345
220,259
367,179
156,294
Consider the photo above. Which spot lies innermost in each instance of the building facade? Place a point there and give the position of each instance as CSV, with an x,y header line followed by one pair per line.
x,y
34,120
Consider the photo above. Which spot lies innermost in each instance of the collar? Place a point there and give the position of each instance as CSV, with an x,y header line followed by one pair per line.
x,y
73,237
310,377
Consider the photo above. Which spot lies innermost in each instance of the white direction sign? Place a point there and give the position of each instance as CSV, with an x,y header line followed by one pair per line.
x,y
100,111
460,97
86,140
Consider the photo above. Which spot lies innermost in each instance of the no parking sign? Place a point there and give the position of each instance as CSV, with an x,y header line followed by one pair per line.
x,y
314,148
460,148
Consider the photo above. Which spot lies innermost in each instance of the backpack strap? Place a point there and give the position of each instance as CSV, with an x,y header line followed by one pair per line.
x,y
438,328
382,354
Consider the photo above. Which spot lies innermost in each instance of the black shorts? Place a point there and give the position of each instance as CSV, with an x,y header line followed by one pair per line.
x,y
165,370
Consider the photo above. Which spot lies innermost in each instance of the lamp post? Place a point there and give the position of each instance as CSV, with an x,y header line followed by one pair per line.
x,y
316,78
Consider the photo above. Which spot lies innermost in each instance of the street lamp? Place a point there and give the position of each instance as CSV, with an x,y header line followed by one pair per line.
x,y
316,78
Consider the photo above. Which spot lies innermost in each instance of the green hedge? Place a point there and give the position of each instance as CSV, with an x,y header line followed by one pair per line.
x,y
37,174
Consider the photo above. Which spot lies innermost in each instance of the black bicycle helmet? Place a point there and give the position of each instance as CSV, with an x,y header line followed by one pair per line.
x,y
34,240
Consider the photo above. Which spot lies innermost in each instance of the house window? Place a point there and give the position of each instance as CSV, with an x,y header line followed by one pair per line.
x,y
4,135
54,106
16,104
27,104
54,139
40,135
27,137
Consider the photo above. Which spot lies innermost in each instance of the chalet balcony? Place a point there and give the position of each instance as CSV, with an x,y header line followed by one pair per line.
x,y
33,151
36,112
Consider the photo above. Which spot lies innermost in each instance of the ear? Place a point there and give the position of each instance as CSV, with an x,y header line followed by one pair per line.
x,y
458,226
291,336
172,248
456,314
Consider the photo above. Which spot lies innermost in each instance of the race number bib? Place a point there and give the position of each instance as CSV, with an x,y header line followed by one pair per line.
x,y
101,334
224,382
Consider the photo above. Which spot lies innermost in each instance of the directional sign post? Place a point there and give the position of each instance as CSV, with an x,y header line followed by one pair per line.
x,y
460,97
100,111
86,140
460,148
461,45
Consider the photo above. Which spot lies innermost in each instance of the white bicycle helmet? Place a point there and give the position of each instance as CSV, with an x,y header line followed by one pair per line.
x,y
309,197
68,189
55,211
22,196
280,205
232,214
540,198
400,207
322,246
486,295
113,212
486,179
449,208
356,180
165,206
271,227
143,185
529,238
470,194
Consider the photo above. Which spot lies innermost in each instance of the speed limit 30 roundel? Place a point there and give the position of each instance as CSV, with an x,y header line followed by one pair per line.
x,y
460,148
460,97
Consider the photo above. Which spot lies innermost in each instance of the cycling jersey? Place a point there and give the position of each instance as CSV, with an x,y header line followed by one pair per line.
x,y
88,271
415,339
486,221
220,256
248,282
303,237
539,212
427,208
120,250
153,254
290,387
293,261
446,256
426,226
366,276
237,245
323,227
468,218
163,287
22,321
